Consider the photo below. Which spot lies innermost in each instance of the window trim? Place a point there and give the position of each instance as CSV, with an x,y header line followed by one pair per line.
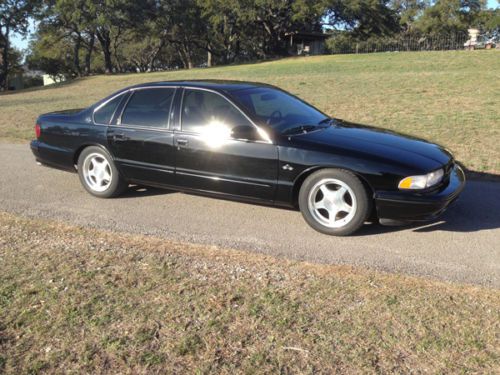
x,y
122,93
180,130
134,126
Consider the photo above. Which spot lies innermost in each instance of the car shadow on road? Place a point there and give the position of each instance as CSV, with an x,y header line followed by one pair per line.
x,y
478,208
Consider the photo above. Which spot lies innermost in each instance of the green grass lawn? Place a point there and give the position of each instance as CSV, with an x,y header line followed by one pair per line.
x,y
452,98
76,301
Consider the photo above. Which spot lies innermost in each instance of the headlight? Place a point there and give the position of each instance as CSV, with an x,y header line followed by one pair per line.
x,y
421,182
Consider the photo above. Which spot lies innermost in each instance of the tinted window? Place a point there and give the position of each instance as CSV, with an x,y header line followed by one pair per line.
x,y
203,109
104,114
149,107
277,108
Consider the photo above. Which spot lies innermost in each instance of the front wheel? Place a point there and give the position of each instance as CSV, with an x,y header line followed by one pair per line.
x,y
334,202
98,173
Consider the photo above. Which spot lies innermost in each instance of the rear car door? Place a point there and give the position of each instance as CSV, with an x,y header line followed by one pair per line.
x,y
209,158
141,139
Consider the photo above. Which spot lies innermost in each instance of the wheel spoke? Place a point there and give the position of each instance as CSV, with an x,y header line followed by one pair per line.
x,y
98,180
332,215
344,207
100,165
326,192
339,194
106,176
320,204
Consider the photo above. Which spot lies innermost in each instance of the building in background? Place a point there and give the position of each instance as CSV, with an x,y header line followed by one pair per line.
x,y
306,43
25,78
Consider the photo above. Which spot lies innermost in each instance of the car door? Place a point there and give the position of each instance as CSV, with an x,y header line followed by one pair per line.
x,y
141,139
209,155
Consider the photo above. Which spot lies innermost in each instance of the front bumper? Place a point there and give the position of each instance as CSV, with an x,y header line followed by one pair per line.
x,y
405,206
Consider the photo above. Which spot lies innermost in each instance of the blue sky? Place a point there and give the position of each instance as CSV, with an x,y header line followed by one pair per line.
x,y
22,43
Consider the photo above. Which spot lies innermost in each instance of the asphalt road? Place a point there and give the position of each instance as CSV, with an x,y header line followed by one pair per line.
x,y
463,246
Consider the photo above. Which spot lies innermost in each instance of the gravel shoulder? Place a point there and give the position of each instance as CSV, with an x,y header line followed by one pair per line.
x,y
461,247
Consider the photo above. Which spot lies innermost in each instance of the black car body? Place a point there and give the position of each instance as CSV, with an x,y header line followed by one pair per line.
x,y
256,162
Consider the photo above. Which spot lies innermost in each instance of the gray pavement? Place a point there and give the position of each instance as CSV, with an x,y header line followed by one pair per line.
x,y
463,246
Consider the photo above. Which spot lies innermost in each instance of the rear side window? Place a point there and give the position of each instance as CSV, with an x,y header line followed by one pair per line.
x,y
104,114
149,108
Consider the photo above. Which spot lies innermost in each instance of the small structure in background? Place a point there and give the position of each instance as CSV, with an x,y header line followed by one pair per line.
x,y
306,43
50,79
25,78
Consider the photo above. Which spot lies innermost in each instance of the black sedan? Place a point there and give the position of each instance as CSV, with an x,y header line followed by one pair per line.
x,y
250,142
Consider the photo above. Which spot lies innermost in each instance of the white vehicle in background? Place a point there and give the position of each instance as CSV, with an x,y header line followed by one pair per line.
x,y
481,42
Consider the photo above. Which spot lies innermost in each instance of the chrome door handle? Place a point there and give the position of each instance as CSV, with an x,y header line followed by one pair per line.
x,y
182,142
120,137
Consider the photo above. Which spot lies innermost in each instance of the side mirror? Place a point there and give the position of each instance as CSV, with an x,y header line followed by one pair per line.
x,y
245,132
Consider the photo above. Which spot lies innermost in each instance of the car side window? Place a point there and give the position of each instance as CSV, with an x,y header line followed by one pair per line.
x,y
104,114
276,106
149,108
204,110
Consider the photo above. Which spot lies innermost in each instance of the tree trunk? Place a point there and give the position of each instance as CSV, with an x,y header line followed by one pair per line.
x,y
4,71
152,60
107,61
209,59
76,55
105,41
88,54
186,53
183,58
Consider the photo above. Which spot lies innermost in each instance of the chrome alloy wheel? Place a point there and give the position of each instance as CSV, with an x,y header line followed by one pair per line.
x,y
97,172
332,203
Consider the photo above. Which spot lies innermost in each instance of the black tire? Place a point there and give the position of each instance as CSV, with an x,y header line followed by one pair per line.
x,y
358,203
116,184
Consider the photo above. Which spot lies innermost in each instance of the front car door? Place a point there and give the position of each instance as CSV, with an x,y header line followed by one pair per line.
x,y
210,158
141,139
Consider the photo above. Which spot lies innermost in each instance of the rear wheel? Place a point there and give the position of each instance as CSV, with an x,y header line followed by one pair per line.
x,y
98,173
334,202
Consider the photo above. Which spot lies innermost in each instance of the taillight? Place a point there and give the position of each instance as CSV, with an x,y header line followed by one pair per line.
x,y
38,130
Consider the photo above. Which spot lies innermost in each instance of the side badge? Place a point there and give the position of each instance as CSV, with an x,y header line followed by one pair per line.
x,y
287,167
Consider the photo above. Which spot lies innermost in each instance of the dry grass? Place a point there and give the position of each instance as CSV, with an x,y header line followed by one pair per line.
x,y
76,300
448,97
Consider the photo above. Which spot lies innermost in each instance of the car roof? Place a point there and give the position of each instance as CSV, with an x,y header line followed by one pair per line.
x,y
224,85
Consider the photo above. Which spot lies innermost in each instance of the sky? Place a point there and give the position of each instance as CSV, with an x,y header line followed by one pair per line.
x,y
22,43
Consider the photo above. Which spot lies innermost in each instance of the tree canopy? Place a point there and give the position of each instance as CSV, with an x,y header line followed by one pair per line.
x,y
81,37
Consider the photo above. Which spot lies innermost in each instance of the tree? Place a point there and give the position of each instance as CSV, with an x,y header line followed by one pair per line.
x,y
488,21
364,18
14,16
225,29
408,12
109,20
51,52
449,16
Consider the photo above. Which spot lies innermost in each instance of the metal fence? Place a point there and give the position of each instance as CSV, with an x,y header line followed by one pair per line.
x,y
342,45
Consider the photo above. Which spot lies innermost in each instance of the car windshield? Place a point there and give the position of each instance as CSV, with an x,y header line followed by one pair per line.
x,y
283,112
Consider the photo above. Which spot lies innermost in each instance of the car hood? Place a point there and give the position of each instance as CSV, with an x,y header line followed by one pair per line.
x,y
378,144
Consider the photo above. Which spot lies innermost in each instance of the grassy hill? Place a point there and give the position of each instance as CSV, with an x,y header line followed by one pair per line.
x,y
452,98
